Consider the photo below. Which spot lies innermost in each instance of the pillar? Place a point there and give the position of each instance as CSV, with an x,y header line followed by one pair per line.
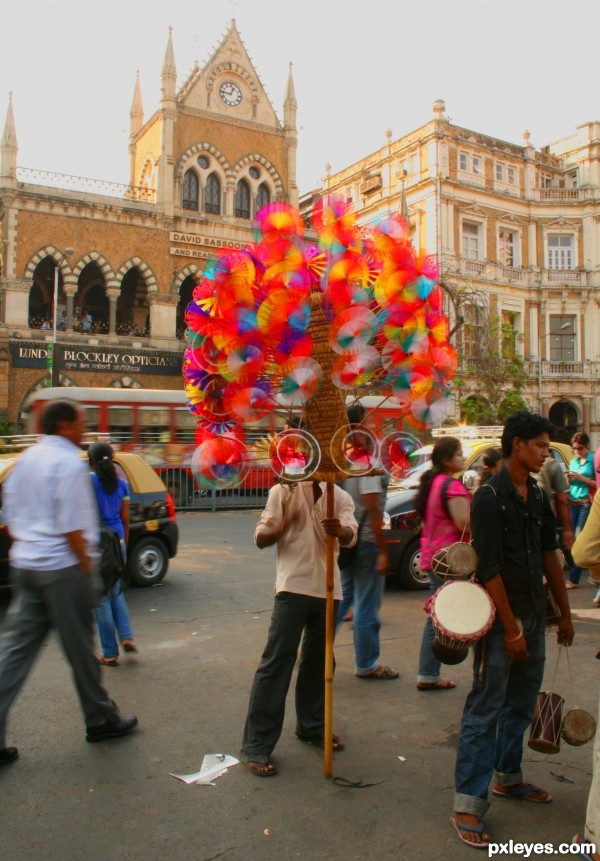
x,y
113,295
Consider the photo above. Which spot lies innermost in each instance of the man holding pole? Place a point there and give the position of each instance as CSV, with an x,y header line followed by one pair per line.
x,y
296,518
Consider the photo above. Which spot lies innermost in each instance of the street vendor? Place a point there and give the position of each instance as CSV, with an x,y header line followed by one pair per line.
x,y
295,519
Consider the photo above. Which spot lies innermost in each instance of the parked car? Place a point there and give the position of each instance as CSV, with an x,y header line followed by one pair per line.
x,y
402,523
153,531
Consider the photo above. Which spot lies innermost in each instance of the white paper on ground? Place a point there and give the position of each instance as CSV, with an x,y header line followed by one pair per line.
x,y
213,766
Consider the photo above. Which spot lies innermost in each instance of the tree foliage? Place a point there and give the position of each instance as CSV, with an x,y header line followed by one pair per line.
x,y
491,375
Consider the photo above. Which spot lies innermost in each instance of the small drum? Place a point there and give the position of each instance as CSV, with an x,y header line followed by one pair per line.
x,y
546,723
457,561
461,613
578,727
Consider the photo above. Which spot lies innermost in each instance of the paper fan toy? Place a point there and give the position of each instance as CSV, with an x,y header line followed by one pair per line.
x,y
305,325
293,323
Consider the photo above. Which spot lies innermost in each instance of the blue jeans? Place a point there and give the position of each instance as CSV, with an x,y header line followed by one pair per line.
x,y
362,587
429,666
497,712
111,613
294,617
578,514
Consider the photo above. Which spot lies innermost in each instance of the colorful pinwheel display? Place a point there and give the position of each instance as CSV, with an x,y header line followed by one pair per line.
x,y
250,351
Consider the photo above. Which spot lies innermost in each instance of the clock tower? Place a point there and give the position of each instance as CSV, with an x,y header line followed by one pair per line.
x,y
215,148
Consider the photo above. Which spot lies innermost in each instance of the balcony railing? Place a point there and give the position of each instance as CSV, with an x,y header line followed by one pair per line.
x,y
85,184
559,193
488,270
564,370
565,276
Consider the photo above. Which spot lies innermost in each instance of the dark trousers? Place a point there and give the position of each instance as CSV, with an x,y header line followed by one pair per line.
x,y
292,616
42,600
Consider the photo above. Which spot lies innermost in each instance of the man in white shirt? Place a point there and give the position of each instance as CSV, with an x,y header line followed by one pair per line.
x,y
295,519
50,512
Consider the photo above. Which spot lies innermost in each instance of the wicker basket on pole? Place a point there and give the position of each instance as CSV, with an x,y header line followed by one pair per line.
x,y
325,414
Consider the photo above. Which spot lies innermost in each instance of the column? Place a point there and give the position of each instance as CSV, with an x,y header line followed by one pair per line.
x,y
587,412
113,295
16,304
229,200
70,291
163,315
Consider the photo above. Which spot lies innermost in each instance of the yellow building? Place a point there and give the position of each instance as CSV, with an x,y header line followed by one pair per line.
x,y
515,228
123,260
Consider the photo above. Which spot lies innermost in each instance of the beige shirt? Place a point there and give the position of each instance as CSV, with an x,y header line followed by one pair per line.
x,y
586,549
301,548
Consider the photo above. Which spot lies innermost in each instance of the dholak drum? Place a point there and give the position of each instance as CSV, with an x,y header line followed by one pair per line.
x,y
578,727
457,561
461,613
546,723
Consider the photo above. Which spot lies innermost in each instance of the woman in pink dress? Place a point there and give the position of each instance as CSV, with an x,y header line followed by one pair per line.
x,y
444,505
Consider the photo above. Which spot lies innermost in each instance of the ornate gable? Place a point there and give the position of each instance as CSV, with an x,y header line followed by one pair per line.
x,y
228,85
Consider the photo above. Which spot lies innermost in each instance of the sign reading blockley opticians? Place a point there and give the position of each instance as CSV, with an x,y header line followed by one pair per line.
x,y
88,358
210,243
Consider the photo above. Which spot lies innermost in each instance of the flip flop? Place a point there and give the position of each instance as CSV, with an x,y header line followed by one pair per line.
x,y
260,766
385,675
319,741
436,686
579,839
521,793
474,829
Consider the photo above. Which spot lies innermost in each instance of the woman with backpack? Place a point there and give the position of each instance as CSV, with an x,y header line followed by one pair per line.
x,y
112,494
443,504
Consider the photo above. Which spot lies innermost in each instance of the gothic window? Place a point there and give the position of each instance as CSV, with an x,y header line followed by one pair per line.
x,y
263,196
242,200
190,190
213,194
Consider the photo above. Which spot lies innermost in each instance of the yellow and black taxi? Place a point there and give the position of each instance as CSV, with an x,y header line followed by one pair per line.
x,y
153,530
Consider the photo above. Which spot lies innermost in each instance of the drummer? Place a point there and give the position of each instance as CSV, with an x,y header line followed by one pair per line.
x,y
443,504
514,534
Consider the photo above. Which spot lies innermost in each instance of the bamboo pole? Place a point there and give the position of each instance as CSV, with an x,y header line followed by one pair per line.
x,y
329,633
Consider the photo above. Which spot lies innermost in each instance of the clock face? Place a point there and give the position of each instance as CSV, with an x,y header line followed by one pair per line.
x,y
230,93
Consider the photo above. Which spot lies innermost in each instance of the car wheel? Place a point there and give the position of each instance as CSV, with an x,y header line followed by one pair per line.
x,y
409,573
148,562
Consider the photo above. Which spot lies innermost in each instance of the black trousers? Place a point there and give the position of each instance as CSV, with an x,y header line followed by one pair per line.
x,y
293,615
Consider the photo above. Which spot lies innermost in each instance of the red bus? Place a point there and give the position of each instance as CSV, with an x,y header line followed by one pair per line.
x,y
157,425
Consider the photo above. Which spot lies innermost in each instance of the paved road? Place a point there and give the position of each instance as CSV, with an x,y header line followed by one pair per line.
x,y
200,636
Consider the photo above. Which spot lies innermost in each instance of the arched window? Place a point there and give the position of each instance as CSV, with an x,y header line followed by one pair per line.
x,y
242,200
213,194
263,196
190,190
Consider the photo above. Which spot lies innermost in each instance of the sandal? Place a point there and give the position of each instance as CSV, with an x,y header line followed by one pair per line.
x,y
382,673
107,662
259,766
473,829
129,646
520,793
436,686
319,741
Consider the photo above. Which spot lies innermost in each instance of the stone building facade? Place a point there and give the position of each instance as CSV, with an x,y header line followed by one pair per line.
x,y
122,261
516,225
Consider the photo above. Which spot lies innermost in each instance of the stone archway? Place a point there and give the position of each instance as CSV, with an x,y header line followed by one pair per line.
x,y
565,418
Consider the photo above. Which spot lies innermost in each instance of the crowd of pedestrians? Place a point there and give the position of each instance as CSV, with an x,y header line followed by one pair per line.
x,y
510,520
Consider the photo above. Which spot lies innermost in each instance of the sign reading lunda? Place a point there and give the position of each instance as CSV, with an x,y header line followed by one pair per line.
x,y
73,358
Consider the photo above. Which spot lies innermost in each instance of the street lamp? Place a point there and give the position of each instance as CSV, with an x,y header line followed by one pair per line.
x,y
540,339
54,377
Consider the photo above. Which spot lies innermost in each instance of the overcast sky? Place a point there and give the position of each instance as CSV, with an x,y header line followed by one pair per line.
x,y
360,67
